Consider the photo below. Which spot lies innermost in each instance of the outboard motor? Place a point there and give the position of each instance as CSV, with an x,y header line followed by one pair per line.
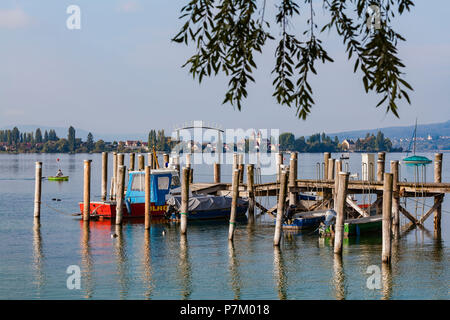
x,y
290,212
330,220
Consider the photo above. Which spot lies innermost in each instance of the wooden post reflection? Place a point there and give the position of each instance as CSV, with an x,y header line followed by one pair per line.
x,y
234,271
386,276
395,246
86,260
185,268
279,273
38,257
121,257
339,278
438,246
147,266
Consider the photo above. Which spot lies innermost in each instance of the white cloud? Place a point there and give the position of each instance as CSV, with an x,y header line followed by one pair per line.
x,y
129,6
13,18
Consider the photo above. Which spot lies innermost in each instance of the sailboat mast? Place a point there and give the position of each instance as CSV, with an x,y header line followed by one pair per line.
x,y
415,136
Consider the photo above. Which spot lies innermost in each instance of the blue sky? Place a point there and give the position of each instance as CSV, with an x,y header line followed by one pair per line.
x,y
121,73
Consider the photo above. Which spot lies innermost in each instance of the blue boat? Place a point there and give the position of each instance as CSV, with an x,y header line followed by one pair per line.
x,y
162,183
305,220
206,207
307,196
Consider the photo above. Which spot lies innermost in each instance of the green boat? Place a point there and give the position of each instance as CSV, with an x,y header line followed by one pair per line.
x,y
356,227
62,178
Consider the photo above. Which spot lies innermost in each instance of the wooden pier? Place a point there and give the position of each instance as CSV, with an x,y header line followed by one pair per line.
x,y
326,187
333,188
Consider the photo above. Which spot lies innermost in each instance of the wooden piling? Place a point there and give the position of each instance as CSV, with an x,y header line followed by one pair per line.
x,y
120,159
132,157
188,160
120,162
216,172
150,160
338,165
37,190
340,211
387,214
177,163
104,175
438,179
184,211
292,177
165,160
235,195
241,168
147,197
395,199
251,193
330,176
337,168
280,208
380,177
331,163
235,162
189,166
279,164
111,189
112,193
120,193
241,173
191,175
381,165
141,162
326,156
87,190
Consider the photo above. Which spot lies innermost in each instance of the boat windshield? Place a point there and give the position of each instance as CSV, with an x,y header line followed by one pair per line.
x,y
138,183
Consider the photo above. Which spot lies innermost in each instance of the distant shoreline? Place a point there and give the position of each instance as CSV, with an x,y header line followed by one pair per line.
x,y
169,152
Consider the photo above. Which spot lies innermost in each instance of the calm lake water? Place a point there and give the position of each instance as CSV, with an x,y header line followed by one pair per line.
x,y
140,265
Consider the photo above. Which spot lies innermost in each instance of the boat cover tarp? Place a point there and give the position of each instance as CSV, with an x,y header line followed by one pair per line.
x,y
205,202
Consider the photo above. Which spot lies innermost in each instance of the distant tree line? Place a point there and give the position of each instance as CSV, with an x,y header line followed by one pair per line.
x,y
315,143
48,142
20,142
323,143
372,143
14,141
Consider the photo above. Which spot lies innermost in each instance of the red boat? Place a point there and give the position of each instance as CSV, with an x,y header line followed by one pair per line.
x,y
162,181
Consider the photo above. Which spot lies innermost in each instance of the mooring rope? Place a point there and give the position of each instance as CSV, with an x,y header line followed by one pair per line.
x,y
57,210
